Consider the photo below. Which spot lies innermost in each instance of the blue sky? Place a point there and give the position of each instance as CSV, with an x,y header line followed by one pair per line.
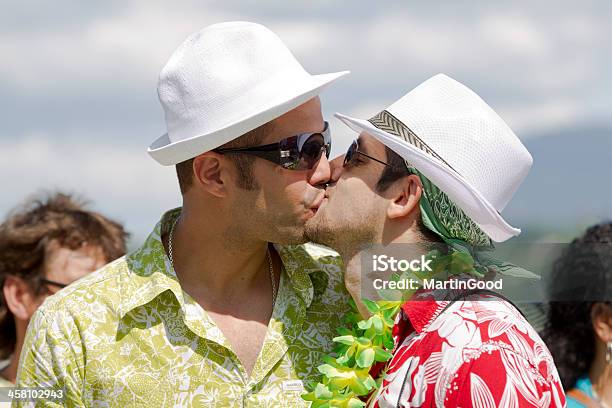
x,y
78,83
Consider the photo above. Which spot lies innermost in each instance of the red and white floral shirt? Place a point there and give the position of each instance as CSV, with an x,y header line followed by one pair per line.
x,y
475,353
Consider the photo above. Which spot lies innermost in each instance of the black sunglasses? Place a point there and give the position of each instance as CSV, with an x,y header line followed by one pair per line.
x,y
353,151
300,152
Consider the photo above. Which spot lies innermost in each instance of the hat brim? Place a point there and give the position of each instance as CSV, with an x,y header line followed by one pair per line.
x,y
168,153
473,204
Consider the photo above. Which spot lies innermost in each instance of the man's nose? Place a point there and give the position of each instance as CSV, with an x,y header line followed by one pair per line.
x,y
321,172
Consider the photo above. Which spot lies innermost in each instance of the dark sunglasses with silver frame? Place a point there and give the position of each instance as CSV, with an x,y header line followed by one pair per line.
x,y
353,151
299,152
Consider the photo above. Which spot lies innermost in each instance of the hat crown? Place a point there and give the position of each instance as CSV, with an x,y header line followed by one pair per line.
x,y
468,135
224,81
214,74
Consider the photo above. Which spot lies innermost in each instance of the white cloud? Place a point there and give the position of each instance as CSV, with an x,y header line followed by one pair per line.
x,y
517,35
121,180
541,116
496,49
118,50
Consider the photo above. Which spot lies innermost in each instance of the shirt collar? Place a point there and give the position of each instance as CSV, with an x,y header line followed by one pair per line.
x,y
422,309
150,270
299,265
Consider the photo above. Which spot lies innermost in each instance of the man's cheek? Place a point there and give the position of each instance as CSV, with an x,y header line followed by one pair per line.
x,y
294,195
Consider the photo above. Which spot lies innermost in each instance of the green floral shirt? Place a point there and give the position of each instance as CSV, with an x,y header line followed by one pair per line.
x,y
128,335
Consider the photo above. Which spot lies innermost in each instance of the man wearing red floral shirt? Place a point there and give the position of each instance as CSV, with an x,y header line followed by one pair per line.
x,y
439,165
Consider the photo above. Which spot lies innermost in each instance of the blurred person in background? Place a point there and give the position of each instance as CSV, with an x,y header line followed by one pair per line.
x,y
46,244
579,332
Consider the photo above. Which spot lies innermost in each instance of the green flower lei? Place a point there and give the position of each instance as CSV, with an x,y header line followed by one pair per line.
x,y
346,377
346,371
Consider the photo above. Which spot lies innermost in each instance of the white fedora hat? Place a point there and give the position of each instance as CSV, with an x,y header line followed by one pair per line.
x,y
224,81
457,141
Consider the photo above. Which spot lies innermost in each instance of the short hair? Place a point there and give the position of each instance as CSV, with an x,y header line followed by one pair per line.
x,y
29,230
395,170
243,162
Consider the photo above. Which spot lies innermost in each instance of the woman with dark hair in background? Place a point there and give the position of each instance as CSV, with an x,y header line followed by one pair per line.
x,y
579,330
44,246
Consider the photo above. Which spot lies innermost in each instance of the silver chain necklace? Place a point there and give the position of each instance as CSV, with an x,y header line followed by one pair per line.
x,y
270,268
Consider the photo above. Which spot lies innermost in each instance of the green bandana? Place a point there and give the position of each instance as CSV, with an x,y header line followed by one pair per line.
x,y
442,216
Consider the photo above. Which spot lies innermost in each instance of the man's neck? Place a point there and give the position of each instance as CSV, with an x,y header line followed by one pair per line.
x,y
352,256
601,375
228,275
213,265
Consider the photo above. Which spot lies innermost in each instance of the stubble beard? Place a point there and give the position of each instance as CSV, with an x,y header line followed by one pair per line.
x,y
254,224
344,236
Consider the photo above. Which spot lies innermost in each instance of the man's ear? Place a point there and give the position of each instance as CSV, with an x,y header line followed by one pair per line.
x,y
406,196
210,172
601,317
19,297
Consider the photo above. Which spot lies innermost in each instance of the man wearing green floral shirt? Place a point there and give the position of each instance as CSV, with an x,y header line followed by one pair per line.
x,y
207,312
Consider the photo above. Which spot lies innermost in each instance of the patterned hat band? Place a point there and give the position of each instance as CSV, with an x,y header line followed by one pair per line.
x,y
438,212
385,121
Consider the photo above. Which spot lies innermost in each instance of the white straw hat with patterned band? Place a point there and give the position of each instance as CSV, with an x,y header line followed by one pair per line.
x,y
460,144
224,81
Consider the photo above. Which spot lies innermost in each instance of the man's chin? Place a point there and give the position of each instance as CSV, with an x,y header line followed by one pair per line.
x,y
321,229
